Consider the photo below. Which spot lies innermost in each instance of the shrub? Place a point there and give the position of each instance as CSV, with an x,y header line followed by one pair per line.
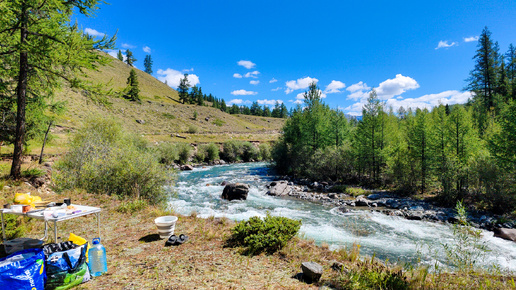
x,y
232,150
265,151
184,152
249,152
200,155
166,153
218,122
105,159
193,129
15,227
212,152
264,235
33,172
169,116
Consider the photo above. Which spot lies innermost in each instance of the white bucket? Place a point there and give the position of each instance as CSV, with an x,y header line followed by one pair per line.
x,y
166,226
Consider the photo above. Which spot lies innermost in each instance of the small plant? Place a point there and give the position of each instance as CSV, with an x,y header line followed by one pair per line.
x,y
218,122
265,151
169,116
356,191
264,235
195,115
184,151
166,153
193,129
33,172
132,206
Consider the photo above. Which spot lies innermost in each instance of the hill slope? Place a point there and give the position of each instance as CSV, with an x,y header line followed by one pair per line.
x,y
160,110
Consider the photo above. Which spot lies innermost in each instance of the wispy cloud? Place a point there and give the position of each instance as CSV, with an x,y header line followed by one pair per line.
x,y
445,44
93,32
301,96
114,53
238,102
273,80
299,84
243,93
127,45
276,89
173,77
253,74
238,76
334,87
147,49
254,82
246,63
471,38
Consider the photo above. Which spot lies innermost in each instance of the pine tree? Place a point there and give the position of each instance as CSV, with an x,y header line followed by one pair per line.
x,y
147,63
119,55
129,58
223,106
39,50
419,144
483,77
133,91
183,88
510,56
266,111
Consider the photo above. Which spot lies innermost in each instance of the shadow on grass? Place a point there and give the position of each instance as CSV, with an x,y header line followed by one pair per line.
x,y
150,238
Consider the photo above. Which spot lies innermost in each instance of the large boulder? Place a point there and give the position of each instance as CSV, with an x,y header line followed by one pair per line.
x,y
312,271
279,188
507,234
187,167
237,191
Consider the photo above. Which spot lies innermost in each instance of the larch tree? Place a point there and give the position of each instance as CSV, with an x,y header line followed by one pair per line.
x,y
147,63
39,51
129,58
182,89
510,57
119,55
133,90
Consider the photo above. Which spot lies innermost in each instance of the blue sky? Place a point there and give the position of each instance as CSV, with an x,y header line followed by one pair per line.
x,y
414,53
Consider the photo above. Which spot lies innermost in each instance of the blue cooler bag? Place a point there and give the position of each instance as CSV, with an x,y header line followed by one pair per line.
x,y
23,270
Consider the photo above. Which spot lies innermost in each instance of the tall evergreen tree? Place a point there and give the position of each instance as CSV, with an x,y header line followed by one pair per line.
x,y
510,57
223,106
129,58
147,63
483,77
182,89
266,111
133,91
39,49
419,146
119,55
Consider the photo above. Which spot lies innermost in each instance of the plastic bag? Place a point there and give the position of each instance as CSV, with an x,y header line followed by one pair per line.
x,y
65,269
26,198
80,241
23,270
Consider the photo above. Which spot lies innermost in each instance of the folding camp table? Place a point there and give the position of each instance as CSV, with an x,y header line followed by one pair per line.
x,y
80,210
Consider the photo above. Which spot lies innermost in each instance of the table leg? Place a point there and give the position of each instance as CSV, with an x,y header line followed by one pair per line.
x,y
46,231
98,222
55,231
3,227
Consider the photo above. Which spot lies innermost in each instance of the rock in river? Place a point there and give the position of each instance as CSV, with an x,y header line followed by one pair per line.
x,y
279,188
235,191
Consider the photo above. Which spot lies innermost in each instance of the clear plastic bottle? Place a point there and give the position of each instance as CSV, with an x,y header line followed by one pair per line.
x,y
97,258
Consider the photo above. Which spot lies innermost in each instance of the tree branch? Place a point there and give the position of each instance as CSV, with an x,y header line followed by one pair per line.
x,y
45,35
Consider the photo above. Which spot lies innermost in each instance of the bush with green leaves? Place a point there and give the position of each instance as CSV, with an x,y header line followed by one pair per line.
x,y
264,235
166,153
250,152
184,151
207,153
103,158
265,151
232,150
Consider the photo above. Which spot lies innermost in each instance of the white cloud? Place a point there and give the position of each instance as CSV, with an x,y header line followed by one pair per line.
x,y
471,38
445,44
238,76
127,45
273,80
334,87
297,102
188,70
93,32
173,77
247,64
253,74
147,49
299,84
360,86
243,93
269,102
395,86
239,102
254,82
276,89
429,101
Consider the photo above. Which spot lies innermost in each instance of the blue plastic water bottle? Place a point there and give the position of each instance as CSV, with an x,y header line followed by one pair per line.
x,y
97,258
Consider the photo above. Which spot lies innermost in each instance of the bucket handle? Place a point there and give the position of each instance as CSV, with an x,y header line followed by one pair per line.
x,y
96,239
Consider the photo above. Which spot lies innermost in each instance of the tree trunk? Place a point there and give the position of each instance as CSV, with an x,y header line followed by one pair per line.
x,y
44,142
21,92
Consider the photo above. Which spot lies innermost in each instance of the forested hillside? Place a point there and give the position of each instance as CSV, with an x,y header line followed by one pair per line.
x,y
460,152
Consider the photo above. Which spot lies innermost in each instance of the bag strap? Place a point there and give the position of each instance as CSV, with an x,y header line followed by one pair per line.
x,y
80,261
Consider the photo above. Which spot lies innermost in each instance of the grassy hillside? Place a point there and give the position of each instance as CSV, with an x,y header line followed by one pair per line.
x,y
161,111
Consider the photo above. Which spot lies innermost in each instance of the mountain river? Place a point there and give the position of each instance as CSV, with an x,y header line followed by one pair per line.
x,y
387,237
